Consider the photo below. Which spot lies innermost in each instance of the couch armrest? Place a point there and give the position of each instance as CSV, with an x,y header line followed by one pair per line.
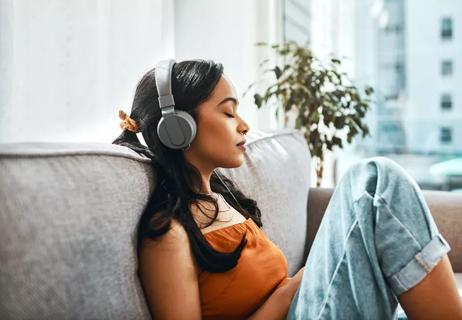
x,y
445,206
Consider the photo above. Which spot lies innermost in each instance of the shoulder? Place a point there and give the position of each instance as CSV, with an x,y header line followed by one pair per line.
x,y
172,245
168,262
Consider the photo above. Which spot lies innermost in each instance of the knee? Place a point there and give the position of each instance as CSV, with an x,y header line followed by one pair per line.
x,y
388,168
379,172
381,163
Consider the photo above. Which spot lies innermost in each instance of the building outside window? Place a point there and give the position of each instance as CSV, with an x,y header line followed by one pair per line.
x,y
446,28
445,135
407,51
446,102
397,28
446,68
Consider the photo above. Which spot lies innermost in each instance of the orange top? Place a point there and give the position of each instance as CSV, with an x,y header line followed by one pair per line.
x,y
238,292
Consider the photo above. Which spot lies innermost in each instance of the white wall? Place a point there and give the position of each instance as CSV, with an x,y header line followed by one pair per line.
x,y
297,18
67,66
226,32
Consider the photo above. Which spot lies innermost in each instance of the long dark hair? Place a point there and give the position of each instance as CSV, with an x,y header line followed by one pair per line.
x,y
176,180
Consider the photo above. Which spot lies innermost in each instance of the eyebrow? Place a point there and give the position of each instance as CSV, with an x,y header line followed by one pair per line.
x,y
229,99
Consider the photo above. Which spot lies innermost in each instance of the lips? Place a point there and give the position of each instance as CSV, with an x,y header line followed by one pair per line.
x,y
241,143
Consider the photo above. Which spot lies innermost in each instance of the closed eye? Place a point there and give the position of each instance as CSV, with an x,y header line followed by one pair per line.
x,y
229,115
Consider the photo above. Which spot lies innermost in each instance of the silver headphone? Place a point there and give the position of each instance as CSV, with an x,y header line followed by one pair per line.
x,y
176,128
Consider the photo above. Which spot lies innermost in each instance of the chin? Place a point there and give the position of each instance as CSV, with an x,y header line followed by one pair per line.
x,y
240,162
236,163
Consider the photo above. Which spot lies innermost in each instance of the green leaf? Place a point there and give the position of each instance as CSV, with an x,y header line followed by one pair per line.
x,y
277,72
366,131
336,61
315,117
298,123
369,90
339,122
329,145
258,100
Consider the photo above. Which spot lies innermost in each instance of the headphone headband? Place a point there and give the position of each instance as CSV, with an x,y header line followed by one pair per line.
x,y
163,83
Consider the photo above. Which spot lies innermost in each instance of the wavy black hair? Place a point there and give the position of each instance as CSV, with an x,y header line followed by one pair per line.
x,y
177,180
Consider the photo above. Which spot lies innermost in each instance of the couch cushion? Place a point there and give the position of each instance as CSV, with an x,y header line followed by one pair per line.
x,y
276,173
67,216
458,276
69,212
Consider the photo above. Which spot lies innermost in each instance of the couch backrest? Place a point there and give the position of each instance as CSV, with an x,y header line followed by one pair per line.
x,y
69,213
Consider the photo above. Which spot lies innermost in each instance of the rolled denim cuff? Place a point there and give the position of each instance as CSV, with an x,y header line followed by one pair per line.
x,y
419,266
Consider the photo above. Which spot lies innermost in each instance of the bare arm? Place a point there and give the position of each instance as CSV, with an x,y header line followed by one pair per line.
x,y
277,305
169,276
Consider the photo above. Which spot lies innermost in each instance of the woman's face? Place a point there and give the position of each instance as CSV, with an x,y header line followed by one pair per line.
x,y
219,130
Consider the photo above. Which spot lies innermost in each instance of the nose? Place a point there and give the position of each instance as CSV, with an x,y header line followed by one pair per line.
x,y
244,127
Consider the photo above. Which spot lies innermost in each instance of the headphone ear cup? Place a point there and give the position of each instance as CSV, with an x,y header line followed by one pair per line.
x,y
177,130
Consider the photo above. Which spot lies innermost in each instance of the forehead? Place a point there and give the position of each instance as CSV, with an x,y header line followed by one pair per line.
x,y
224,88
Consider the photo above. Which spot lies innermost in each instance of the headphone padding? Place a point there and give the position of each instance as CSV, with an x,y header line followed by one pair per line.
x,y
177,130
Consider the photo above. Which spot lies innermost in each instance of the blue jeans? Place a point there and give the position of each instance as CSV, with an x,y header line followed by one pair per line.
x,y
377,239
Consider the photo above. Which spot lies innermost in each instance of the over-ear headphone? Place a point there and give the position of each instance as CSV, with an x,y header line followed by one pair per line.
x,y
176,129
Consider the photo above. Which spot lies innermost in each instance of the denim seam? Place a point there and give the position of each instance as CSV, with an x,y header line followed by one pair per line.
x,y
385,204
355,222
356,199
403,287
381,200
422,262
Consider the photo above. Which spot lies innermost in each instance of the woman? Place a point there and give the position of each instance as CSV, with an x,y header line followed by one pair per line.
x,y
202,253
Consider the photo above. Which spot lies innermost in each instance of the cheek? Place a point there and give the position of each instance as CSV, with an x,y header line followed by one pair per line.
x,y
217,130
215,140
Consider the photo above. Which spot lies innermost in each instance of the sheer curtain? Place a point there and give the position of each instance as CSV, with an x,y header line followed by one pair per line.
x,y
66,66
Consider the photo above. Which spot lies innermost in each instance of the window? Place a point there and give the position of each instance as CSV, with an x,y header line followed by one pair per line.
x,y
446,102
446,68
393,28
445,135
392,97
446,28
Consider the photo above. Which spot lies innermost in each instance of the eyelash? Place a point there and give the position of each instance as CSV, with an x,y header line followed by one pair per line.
x,y
229,115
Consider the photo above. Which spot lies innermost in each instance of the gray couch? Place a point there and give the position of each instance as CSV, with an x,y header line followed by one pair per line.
x,y
69,213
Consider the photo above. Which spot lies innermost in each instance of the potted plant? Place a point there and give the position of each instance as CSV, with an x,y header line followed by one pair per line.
x,y
323,98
